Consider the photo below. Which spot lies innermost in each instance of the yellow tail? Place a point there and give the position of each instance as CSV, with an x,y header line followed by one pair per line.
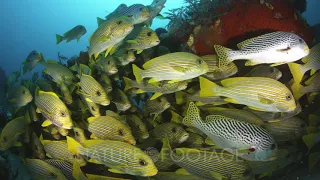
x,y
223,55
297,90
180,97
208,88
77,173
128,83
297,71
137,73
73,145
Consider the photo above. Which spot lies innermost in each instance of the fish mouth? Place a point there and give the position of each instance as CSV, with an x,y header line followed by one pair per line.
x,y
151,173
184,138
113,71
126,107
106,103
145,136
132,142
306,49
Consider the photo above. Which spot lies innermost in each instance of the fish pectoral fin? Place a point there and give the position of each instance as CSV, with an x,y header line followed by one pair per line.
x,y
265,174
254,108
265,100
153,80
89,100
208,141
180,69
48,155
94,161
14,100
182,171
78,39
156,95
274,121
231,100
199,103
92,136
132,41
96,55
277,64
104,38
115,171
18,144
218,176
108,50
250,63
139,51
140,91
46,123
174,81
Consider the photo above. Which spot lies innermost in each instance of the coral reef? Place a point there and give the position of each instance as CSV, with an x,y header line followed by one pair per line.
x,y
229,22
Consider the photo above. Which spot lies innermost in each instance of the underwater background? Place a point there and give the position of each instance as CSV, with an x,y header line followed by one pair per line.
x,y
29,25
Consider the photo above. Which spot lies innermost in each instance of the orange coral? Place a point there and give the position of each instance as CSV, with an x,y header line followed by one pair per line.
x,y
251,16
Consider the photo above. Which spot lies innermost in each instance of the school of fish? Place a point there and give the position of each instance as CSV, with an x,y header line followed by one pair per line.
x,y
131,114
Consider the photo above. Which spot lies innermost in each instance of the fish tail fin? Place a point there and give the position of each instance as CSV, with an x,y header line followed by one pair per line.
x,y
137,73
208,88
59,38
192,116
311,139
128,83
297,71
76,171
166,151
223,54
180,97
297,90
73,145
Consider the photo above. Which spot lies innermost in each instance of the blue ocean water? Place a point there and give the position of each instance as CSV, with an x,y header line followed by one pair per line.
x,y
32,24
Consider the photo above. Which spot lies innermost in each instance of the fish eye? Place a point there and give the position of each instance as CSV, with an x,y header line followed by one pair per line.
x,y
199,61
246,172
141,9
300,40
98,93
142,162
174,130
76,133
252,149
53,174
23,92
120,132
273,146
119,22
288,97
149,33
34,53
109,62
130,16
63,114
92,108
5,139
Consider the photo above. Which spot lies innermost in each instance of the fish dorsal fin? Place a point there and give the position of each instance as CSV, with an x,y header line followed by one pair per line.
x,y
244,43
89,143
90,119
51,93
49,61
182,171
